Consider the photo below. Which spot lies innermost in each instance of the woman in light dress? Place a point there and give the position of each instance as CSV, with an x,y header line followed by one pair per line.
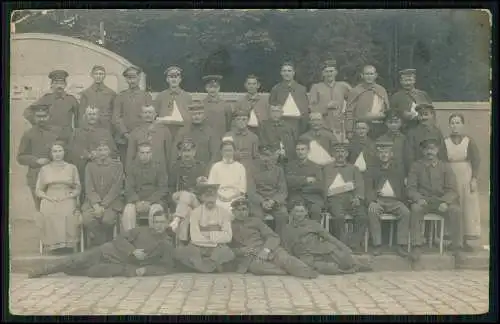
x,y
58,186
463,157
229,174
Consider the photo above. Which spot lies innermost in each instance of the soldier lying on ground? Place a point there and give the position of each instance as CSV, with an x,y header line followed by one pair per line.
x,y
141,251
311,243
257,247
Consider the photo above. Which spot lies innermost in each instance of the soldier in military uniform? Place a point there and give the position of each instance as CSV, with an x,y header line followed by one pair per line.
x,y
217,111
203,135
329,97
305,180
254,102
245,141
405,100
267,189
393,121
171,98
362,152
320,140
63,107
385,192
34,148
344,196
103,203
289,92
141,251
100,96
276,133
368,101
87,138
257,247
146,187
154,132
127,109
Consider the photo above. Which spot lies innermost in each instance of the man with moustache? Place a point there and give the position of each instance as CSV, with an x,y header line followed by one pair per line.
x,y
321,140
217,111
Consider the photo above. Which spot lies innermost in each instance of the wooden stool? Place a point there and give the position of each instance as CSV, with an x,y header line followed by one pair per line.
x,y
349,228
435,219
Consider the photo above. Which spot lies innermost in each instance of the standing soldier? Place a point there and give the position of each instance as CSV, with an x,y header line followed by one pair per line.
x,y
329,98
405,100
155,133
320,140
279,135
172,104
368,101
293,97
206,142
254,102
217,111
98,95
127,108
245,141
63,107
35,145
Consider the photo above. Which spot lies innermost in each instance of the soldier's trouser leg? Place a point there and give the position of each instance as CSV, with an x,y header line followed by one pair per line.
x,y
222,254
403,227
280,218
77,263
453,219
336,207
321,266
106,270
129,217
292,265
360,221
191,256
265,268
417,216
375,228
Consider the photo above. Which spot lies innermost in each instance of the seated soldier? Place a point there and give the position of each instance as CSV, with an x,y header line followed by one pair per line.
x,y
432,188
393,121
385,193
268,190
145,187
103,196
344,193
258,248
305,180
361,147
141,251
210,232
320,140
316,247
186,174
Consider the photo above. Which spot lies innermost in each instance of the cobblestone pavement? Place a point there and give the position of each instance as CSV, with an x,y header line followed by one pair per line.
x,y
425,292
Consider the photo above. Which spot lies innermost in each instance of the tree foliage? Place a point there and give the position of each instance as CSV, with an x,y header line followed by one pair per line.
x,y
449,48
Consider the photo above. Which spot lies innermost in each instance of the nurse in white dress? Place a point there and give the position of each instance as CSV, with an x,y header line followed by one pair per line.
x,y
229,174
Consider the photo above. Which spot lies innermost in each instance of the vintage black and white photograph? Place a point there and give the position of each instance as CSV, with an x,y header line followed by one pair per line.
x,y
249,161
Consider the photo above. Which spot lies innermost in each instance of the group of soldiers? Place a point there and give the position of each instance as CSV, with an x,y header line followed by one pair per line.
x,y
338,153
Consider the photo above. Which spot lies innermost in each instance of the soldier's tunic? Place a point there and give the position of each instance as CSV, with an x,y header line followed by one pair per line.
x,y
325,138
127,109
35,144
103,185
275,132
417,135
322,94
206,140
365,145
316,247
257,104
377,179
436,183
299,189
253,233
164,105
278,96
340,205
85,140
161,142
116,259
102,97
269,182
64,109
218,115
359,104
247,144
210,231
399,149
403,100
144,182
